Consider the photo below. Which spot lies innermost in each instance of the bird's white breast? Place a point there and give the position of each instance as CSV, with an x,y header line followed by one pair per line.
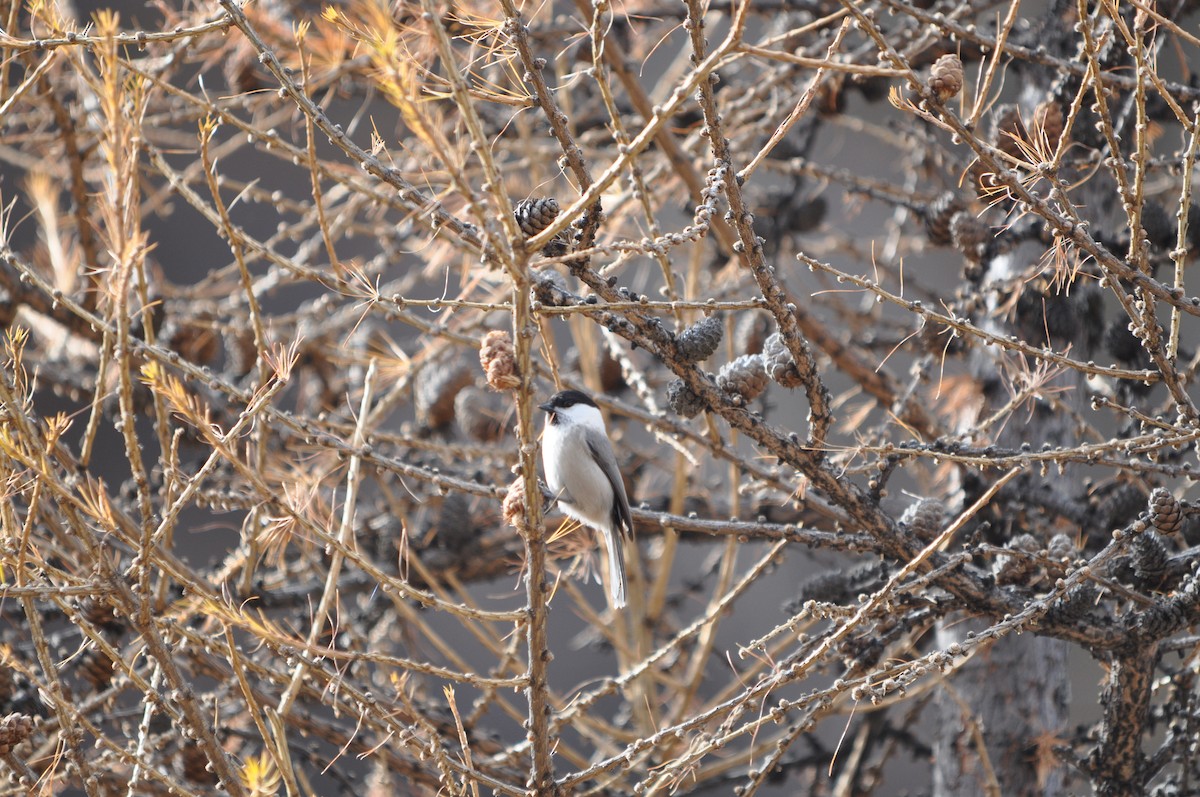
x,y
571,471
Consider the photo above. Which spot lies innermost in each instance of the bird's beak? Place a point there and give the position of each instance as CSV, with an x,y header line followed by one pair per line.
x,y
546,407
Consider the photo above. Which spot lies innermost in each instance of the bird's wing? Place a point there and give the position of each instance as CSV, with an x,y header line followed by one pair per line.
x,y
603,453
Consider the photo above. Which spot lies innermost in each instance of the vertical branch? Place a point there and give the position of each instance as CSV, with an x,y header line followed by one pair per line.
x,y
750,246
1180,253
1118,762
208,128
127,243
17,534
525,325
345,539
602,14
501,237
525,328
544,97
314,171
659,119
75,159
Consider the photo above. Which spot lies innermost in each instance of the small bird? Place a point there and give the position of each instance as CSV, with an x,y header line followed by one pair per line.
x,y
583,476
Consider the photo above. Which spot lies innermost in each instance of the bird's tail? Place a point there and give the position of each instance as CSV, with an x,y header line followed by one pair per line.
x,y
616,567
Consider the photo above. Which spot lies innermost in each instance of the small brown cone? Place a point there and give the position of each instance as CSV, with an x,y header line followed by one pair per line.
x,y
513,508
1014,568
969,235
744,379
1048,117
937,215
751,333
14,729
435,389
498,359
1007,128
482,415
535,215
946,77
1165,511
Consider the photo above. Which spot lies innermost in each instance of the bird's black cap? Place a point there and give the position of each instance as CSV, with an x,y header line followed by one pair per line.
x,y
566,398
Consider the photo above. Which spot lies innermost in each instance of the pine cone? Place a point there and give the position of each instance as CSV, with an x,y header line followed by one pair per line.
x,y
969,235
196,341
513,508
241,68
96,668
946,77
101,616
683,401
1048,117
480,414
1166,513
1074,604
925,518
436,388
550,287
1160,227
1061,551
744,379
612,374
937,216
825,587
193,763
8,686
1122,345
751,333
14,729
453,529
839,586
498,359
1149,559
779,362
1017,569
700,340
535,215
1007,128
240,353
